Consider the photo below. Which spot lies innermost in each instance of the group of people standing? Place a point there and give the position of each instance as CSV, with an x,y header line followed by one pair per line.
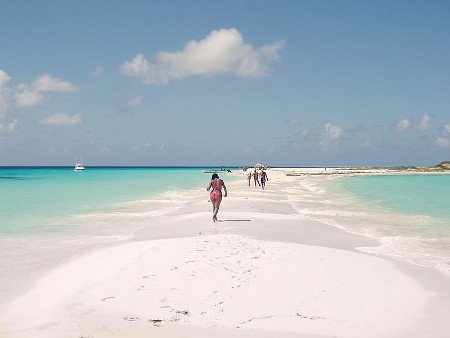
x,y
259,178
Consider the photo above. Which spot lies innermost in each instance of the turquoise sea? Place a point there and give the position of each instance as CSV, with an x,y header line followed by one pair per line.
x,y
34,199
48,215
409,194
408,214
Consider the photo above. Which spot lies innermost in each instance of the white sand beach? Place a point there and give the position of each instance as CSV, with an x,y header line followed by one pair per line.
x,y
263,270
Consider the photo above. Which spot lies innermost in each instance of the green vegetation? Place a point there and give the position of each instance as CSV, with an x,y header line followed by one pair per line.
x,y
411,167
444,165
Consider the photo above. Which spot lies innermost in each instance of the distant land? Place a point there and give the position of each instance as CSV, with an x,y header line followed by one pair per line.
x,y
438,167
443,167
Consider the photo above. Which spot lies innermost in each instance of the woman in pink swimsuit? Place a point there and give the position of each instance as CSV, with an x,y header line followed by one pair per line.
x,y
215,196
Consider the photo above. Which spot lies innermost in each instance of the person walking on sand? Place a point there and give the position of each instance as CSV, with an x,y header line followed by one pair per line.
x,y
264,178
249,177
215,196
256,177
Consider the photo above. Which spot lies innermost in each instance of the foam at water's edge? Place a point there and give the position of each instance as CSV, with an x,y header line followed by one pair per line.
x,y
419,239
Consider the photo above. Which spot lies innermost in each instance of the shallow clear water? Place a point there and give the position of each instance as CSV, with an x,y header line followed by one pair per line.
x,y
48,215
36,199
413,194
409,214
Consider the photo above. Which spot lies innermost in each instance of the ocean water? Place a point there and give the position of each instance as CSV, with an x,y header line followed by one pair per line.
x,y
409,194
36,199
48,215
408,214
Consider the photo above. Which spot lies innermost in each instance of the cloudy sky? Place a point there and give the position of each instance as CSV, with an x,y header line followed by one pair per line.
x,y
299,83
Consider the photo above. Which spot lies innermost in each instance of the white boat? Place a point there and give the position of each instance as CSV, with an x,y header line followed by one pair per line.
x,y
78,167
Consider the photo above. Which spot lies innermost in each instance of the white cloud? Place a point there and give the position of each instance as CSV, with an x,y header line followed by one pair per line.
x,y
4,93
136,101
32,94
26,97
403,125
221,52
308,133
293,121
138,68
4,78
407,124
447,128
98,71
48,83
62,119
29,94
306,137
11,126
332,131
7,128
424,122
443,142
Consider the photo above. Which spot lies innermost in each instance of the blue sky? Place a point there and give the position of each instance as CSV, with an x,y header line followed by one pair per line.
x,y
294,83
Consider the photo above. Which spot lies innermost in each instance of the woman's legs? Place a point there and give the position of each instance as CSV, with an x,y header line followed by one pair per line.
x,y
216,204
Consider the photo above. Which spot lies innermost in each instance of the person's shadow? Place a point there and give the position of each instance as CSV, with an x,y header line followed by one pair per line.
x,y
233,220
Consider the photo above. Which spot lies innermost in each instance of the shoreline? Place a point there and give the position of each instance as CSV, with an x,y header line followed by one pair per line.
x,y
262,221
349,171
39,251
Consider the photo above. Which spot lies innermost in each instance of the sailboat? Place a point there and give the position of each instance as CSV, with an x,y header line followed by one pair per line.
x,y
79,165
